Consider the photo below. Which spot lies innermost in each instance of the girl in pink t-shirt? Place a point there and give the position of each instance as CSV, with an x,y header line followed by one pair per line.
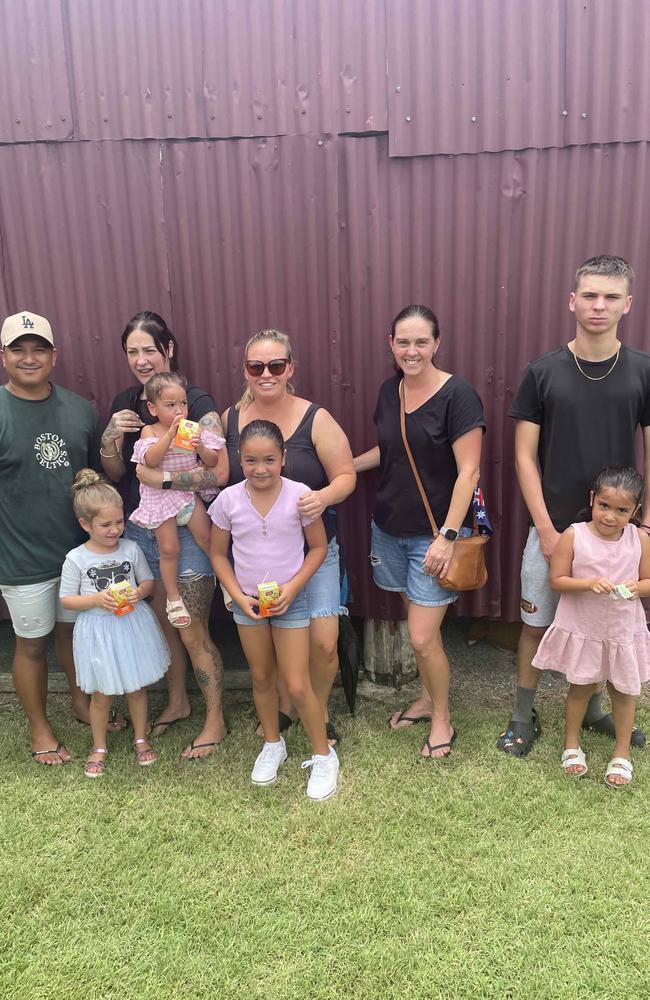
x,y
260,516
601,568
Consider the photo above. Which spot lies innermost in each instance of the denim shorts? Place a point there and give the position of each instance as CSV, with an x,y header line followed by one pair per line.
x,y
192,560
297,615
396,564
35,608
324,588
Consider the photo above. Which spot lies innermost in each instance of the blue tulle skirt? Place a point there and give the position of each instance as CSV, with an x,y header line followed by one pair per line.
x,y
119,654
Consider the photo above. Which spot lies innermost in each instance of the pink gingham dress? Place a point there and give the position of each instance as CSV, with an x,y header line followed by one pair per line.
x,y
156,505
595,637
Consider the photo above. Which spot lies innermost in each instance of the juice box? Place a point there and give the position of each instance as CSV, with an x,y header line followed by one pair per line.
x,y
120,591
186,430
269,593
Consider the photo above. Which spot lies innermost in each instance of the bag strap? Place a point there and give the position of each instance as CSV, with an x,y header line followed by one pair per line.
x,y
416,474
402,424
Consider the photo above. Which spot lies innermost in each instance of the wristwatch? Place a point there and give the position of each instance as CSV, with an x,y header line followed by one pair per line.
x,y
167,481
449,534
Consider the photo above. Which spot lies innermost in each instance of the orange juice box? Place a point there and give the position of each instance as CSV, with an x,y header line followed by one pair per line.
x,y
186,430
269,593
120,591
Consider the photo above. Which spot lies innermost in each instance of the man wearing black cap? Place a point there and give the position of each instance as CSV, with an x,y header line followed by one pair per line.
x,y
46,435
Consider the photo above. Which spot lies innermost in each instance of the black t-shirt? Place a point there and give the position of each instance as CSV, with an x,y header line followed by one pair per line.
x,y
302,463
199,403
431,430
584,425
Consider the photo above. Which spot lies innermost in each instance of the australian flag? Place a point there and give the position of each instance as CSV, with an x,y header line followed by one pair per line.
x,y
482,520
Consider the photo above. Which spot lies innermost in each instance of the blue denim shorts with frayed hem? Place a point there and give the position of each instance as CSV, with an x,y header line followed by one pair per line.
x,y
192,560
323,590
396,564
296,616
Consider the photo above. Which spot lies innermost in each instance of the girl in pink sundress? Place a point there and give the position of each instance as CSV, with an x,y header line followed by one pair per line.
x,y
162,510
601,568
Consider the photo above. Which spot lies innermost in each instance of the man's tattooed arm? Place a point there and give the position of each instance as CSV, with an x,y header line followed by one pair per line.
x,y
195,480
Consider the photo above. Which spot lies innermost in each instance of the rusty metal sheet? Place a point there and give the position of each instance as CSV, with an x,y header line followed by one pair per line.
x,y
33,79
253,243
607,72
466,76
491,242
136,68
82,234
163,69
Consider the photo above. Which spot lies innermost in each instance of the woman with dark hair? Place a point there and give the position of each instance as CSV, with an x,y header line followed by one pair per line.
x,y
150,348
318,455
444,428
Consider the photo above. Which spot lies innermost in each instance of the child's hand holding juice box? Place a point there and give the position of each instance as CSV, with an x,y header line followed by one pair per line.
x,y
120,591
268,594
186,435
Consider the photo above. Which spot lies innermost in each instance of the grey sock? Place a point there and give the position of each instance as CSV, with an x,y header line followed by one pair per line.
x,y
595,710
524,705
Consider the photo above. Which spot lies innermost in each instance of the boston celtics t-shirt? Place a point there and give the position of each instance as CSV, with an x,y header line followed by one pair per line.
x,y
585,424
43,444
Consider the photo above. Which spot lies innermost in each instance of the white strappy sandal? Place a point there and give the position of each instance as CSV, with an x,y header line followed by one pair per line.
x,y
574,758
623,768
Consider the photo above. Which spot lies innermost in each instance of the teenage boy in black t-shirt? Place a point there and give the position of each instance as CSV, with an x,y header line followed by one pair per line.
x,y
577,410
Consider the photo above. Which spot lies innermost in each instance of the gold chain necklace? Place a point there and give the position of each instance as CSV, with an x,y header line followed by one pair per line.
x,y
595,378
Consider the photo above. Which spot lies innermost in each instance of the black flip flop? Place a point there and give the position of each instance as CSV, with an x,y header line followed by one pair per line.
x,y
111,722
411,719
57,750
167,723
200,746
441,746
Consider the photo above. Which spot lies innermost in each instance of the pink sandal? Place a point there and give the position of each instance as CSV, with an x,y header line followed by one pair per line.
x,y
95,768
145,757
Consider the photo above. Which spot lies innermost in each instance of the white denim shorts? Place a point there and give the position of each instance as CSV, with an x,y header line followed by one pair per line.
x,y
538,601
35,608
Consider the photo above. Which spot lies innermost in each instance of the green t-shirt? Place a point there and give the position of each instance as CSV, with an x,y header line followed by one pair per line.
x,y
43,444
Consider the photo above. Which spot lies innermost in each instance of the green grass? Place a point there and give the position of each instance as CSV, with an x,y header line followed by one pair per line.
x,y
483,877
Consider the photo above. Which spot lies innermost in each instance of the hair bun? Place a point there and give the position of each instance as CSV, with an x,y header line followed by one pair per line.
x,y
84,478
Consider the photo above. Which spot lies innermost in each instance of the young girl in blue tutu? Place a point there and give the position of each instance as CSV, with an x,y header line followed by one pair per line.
x,y
113,653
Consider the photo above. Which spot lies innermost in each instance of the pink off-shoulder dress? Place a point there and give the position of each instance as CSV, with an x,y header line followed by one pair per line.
x,y
156,505
595,637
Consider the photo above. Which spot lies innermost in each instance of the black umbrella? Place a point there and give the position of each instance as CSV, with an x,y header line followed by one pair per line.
x,y
349,649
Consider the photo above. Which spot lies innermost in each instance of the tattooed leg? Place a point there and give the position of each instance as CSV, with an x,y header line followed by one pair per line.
x,y
207,664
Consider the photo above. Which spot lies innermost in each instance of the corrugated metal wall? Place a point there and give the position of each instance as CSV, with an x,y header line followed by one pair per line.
x,y
237,165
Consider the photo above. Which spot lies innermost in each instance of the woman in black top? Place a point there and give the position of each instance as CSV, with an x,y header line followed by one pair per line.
x,y
318,454
444,426
150,347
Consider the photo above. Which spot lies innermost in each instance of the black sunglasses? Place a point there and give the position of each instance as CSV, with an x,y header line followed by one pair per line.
x,y
276,367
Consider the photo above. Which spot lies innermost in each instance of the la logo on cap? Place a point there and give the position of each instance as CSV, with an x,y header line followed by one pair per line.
x,y
25,324
28,324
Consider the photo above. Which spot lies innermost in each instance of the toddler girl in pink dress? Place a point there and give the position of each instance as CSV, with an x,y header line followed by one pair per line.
x,y
162,510
601,568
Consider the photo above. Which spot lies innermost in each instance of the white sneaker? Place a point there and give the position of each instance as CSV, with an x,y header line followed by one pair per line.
x,y
324,775
265,770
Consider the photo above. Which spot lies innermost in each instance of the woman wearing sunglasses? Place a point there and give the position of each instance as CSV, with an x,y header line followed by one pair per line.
x,y
151,348
318,454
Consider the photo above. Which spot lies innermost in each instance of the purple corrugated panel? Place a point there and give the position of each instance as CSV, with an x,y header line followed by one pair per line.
x,y
607,72
33,80
280,67
253,243
165,69
136,68
472,75
82,235
491,242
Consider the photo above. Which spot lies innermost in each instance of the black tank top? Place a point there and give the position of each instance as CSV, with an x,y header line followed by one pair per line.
x,y
302,463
